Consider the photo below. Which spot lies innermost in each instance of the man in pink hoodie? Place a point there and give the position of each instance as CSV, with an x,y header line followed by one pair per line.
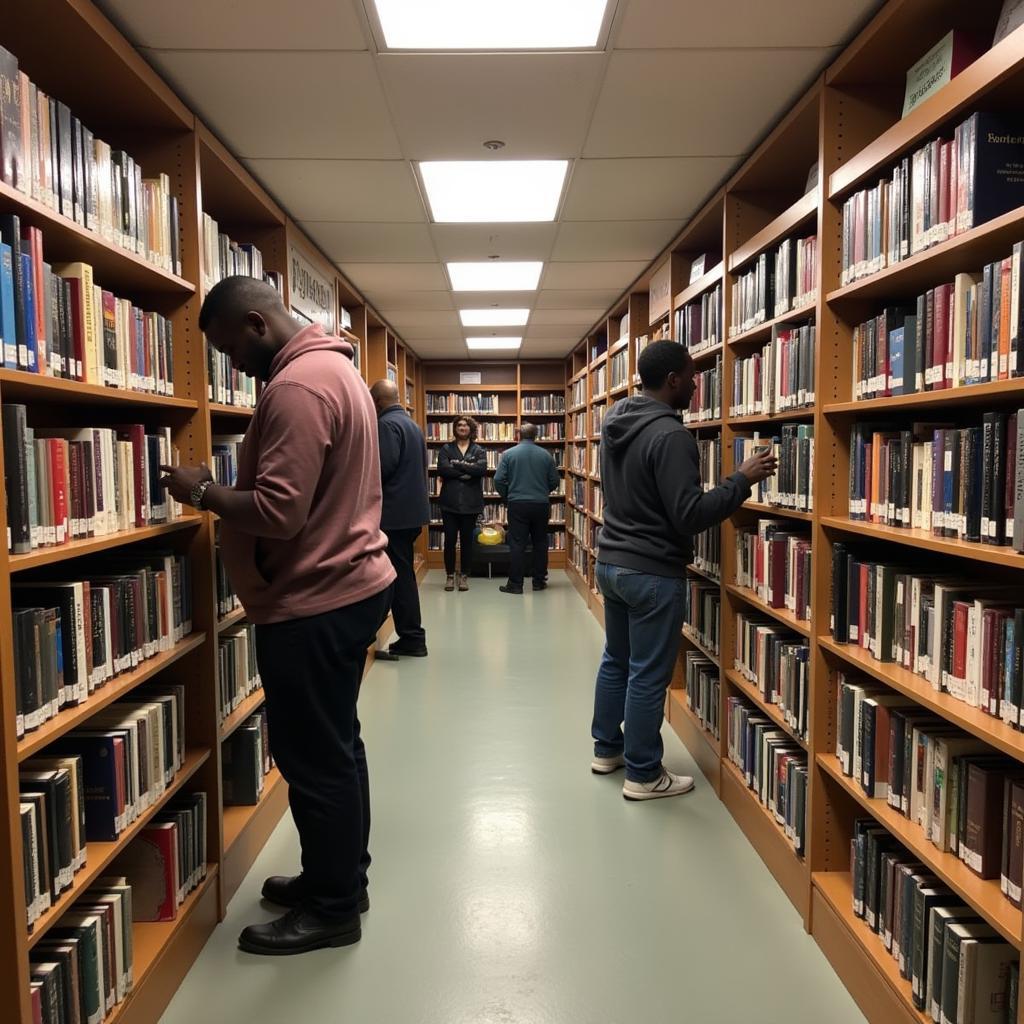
x,y
301,540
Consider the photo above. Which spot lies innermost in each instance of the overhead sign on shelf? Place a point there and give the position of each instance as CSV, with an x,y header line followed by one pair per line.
x,y
311,293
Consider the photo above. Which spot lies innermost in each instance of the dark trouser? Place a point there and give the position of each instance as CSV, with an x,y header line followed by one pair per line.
x,y
528,521
311,670
459,526
643,616
405,603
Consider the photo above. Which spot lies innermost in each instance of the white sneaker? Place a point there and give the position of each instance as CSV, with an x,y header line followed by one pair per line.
x,y
667,784
607,765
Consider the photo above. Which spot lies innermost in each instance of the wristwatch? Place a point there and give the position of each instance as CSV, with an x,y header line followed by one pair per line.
x,y
198,492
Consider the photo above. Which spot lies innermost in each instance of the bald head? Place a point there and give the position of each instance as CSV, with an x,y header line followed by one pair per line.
x,y
528,432
384,394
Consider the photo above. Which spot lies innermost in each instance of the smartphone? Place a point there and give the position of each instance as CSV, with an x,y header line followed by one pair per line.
x,y
762,449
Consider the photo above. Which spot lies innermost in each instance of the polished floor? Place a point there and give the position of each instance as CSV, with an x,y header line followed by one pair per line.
x,y
510,886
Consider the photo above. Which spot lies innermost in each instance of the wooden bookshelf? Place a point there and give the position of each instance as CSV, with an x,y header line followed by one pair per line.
x,y
848,123
130,105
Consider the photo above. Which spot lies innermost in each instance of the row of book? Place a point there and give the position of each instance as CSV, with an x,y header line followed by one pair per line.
x,y
226,452
246,761
93,783
958,334
443,403
578,426
773,559
944,188
487,430
706,401
959,968
775,284
72,638
966,483
596,505
227,599
777,661
552,404
50,156
702,613
772,765
965,637
238,675
792,486
778,378
703,690
55,320
595,459
599,381
618,364
578,393
707,551
709,454
578,495
698,324
68,483
578,459
223,257
597,415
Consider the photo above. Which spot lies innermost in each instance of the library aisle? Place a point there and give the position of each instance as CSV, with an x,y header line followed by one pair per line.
x,y
510,886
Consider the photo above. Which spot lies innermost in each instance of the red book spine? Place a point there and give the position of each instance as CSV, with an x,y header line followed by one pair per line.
x,y
77,488
33,240
119,777
58,476
77,308
777,574
959,665
865,633
941,337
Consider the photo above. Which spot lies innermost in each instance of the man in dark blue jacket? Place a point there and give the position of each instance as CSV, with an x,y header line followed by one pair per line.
x,y
654,504
525,478
405,509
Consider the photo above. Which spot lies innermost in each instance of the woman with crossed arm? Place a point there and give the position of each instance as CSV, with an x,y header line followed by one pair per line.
x,y
462,464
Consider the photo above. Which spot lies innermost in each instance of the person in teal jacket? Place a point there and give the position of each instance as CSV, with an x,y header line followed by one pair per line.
x,y
525,478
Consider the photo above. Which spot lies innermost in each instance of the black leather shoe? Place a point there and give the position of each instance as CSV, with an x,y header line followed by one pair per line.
x,y
287,891
407,652
540,586
505,589
299,931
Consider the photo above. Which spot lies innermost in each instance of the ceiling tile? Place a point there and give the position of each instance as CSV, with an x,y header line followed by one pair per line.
x,y
614,240
343,190
495,300
481,241
593,275
369,277
345,242
264,25
596,298
689,24
438,349
398,299
565,317
567,333
344,115
537,348
651,189
696,102
421,320
447,105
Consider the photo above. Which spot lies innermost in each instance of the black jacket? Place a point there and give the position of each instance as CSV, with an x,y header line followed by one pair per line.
x,y
462,487
654,501
403,471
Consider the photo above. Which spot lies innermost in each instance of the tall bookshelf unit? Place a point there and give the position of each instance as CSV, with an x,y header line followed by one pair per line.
x,y
512,384
127,104
849,122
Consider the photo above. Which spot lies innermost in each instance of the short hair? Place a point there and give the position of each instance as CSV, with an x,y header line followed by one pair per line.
x,y
473,428
235,296
528,431
659,359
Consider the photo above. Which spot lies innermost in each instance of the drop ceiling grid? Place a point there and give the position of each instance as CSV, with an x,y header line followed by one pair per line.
x,y
651,126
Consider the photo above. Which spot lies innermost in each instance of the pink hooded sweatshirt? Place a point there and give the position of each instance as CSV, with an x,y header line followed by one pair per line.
x,y
310,456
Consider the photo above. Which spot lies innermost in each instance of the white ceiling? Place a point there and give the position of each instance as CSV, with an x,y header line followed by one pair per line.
x,y
332,128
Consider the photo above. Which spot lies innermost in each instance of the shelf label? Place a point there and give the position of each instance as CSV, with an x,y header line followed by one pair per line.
x,y
311,292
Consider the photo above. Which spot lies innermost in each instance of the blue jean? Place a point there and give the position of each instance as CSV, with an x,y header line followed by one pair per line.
x,y
643,617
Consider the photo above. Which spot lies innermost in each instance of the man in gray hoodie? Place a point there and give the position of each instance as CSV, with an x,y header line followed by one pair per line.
x,y
654,504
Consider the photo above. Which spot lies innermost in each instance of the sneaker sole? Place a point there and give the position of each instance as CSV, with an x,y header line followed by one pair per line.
x,y
335,942
659,796
604,769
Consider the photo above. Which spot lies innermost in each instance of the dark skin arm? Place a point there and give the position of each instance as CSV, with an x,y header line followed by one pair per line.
x,y
227,502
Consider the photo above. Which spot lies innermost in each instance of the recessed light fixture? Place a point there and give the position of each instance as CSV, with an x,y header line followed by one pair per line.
x,y
518,276
494,25
480,344
494,317
489,191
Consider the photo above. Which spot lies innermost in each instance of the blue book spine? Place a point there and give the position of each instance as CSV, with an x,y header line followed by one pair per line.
x,y
896,361
947,481
28,288
8,329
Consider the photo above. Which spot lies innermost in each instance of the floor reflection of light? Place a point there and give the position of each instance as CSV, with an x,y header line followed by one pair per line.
x,y
502,919
500,826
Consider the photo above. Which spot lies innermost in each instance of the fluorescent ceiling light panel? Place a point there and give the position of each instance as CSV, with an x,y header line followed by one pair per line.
x,y
493,191
494,317
494,276
490,24
477,344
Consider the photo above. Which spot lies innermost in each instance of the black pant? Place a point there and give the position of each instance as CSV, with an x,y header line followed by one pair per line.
x,y
459,526
528,521
311,670
405,602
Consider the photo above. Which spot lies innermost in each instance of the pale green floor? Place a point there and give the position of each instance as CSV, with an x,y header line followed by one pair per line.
x,y
510,886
